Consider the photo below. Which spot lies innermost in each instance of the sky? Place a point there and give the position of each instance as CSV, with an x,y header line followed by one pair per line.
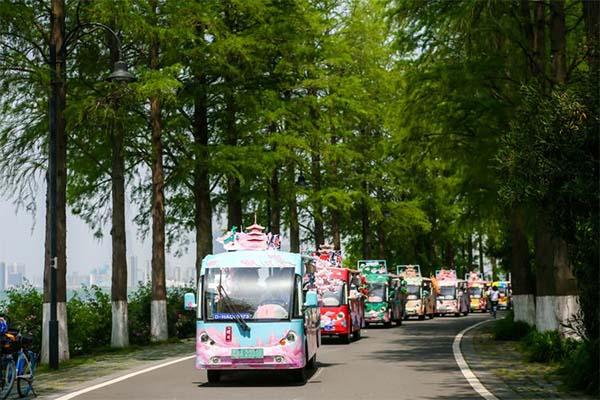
x,y
22,241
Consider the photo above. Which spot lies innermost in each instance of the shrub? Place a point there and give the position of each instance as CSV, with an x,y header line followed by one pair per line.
x,y
508,329
547,346
23,310
580,367
139,314
182,323
89,318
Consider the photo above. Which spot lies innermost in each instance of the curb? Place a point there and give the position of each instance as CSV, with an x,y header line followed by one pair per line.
x,y
486,377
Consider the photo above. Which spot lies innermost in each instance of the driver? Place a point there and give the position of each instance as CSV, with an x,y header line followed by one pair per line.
x,y
276,298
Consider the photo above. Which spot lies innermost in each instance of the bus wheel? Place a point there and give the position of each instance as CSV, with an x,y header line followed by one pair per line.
x,y
213,376
346,339
422,317
299,375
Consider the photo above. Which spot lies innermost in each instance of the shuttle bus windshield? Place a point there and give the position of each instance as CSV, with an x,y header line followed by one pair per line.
x,y
249,293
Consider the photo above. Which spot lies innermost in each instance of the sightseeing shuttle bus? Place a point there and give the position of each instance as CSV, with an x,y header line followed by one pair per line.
x,y
454,296
255,308
420,293
504,294
477,286
377,306
340,303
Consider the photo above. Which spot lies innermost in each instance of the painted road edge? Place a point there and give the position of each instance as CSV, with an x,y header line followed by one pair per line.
x,y
464,367
122,378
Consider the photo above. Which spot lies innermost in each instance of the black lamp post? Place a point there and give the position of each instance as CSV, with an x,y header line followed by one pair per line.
x,y
301,182
119,74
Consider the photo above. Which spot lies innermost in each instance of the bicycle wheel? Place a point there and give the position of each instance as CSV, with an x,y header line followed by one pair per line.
x,y
27,362
7,379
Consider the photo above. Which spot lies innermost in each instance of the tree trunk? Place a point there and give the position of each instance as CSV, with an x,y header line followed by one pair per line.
x,y
234,196
449,255
317,205
556,288
539,40
521,275
558,41
294,225
120,332
158,324
480,247
334,213
591,16
366,226
59,246
203,208
470,251
381,241
335,229
275,203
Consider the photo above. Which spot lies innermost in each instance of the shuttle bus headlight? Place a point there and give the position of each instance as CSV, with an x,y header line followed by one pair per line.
x,y
279,359
291,336
204,338
214,360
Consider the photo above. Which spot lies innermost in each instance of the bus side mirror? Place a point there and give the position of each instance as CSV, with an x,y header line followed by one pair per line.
x,y
189,301
311,299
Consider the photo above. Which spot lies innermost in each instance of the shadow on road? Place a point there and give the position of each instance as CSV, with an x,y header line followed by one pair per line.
x,y
262,378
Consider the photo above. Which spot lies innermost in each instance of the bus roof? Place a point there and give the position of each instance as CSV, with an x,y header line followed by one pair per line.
x,y
253,259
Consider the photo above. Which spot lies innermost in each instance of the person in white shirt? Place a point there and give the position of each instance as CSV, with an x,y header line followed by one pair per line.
x,y
493,296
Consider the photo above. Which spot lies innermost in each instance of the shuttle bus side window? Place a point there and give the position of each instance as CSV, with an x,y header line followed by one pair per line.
x,y
298,297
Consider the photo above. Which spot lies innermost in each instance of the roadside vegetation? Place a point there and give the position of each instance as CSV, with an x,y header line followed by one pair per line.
x,y
575,360
89,317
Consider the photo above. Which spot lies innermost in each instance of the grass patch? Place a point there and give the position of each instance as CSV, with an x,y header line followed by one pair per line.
x,y
507,329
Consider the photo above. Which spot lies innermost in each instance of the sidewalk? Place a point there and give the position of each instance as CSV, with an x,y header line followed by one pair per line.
x,y
502,368
87,371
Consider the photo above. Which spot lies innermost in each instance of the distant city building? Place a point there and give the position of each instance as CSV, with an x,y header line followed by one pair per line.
x,y
2,275
14,279
132,272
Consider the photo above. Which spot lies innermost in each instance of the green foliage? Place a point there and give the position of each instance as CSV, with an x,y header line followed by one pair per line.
x,y
89,320
22,309
139,314
181,323
580,367
507,329
547,346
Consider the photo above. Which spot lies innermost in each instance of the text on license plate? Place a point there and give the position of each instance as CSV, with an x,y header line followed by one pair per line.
x,y
246,354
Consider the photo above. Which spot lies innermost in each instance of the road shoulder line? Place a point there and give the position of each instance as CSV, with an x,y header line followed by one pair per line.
x,y
122,378
464,367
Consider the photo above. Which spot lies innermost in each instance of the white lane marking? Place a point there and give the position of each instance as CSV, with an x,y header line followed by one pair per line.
x,y
122,378
464,367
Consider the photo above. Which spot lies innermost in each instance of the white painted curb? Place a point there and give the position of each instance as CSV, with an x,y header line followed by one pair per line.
x,y
464,367
122,378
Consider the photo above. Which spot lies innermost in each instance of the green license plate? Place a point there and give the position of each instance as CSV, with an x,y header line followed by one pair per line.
x,y
246,354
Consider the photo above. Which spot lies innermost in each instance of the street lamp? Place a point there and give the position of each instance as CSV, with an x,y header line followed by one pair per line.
x,y
119,74
301,182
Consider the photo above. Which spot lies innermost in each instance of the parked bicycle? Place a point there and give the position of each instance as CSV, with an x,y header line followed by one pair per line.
x,y
17,362
8,370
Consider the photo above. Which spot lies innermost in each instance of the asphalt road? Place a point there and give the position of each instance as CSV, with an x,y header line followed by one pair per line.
x,y
413,361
